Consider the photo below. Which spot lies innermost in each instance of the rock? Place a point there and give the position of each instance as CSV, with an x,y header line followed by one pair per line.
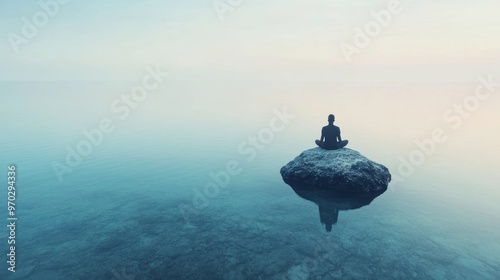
x,y
344,171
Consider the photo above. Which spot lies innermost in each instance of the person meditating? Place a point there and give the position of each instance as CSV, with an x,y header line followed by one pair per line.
x,y
330,136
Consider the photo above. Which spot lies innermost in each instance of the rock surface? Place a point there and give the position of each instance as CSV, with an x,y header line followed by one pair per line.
x,y
343,170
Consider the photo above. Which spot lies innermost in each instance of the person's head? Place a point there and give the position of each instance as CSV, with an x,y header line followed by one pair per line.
x,y
331,119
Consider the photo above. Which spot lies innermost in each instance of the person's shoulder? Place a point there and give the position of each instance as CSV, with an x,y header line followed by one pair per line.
x,y
336,127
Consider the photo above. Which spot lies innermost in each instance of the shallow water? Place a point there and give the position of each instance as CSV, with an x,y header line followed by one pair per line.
x,y
117,215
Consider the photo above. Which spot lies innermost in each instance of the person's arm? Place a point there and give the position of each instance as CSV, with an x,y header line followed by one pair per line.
x,y
339,137
322,139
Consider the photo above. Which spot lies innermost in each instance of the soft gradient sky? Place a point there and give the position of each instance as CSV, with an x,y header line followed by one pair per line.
x,y
269,40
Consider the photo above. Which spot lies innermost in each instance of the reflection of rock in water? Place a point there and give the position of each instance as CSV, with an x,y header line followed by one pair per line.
x,y
331,202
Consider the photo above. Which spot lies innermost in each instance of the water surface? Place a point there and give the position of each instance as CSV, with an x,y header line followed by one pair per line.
x,y
116,215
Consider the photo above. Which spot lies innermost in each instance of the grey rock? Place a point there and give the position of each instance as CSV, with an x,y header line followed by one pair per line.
x,y
343,170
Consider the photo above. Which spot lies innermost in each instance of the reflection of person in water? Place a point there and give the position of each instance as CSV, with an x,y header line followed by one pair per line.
x,y
330,136
328,215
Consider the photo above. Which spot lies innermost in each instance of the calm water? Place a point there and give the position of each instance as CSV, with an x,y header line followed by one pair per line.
x,y
117,215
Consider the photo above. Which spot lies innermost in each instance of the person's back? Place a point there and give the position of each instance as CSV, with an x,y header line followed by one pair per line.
x,y
330,136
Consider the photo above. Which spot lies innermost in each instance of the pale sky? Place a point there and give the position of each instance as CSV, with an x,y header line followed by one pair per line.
x,y
257,40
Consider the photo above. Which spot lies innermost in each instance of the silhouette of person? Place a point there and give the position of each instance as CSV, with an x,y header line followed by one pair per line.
x,y
330,136
328,215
